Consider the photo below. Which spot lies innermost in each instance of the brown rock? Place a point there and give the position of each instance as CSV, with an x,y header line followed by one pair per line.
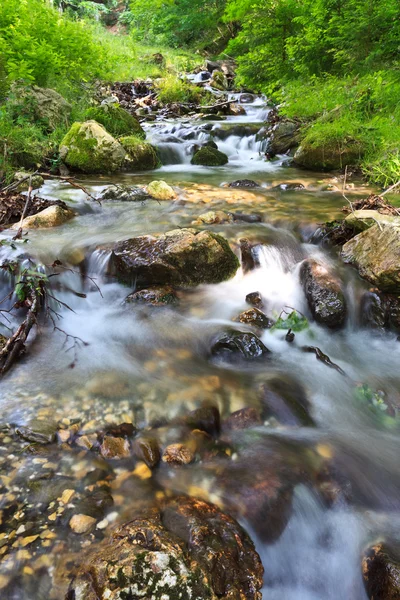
x,y
242,419
255,317
206,418
255,299
381,573
147,449
177,454
115,447
188,550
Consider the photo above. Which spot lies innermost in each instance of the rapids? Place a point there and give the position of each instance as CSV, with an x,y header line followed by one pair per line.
x,y
153,365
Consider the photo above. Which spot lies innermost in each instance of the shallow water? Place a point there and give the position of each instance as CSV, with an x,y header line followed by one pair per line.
x,y
150,366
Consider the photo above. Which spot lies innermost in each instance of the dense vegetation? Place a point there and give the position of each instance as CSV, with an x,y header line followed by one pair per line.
x,y
332,64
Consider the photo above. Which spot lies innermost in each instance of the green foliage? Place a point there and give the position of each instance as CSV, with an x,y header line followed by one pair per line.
x,y
294,321
173,89
374,401
115,119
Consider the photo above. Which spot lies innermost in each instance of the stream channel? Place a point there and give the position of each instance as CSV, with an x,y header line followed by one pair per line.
x,y
147,365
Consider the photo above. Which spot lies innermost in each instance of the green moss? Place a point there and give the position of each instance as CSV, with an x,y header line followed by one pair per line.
x,y
143,155
209,157
116,120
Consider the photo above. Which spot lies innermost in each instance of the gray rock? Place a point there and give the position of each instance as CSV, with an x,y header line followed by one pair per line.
x,y
324,294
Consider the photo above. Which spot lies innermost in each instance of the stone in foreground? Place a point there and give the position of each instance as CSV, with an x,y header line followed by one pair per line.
x,y
188,551
88,147
324,294
53,216
381,573
179,257
376,254
160,190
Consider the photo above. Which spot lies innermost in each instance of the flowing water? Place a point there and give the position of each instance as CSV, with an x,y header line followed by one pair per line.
x,y
146,366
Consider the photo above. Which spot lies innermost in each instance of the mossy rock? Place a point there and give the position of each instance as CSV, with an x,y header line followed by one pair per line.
x,y
160,190
39,105
88,147
140,155
116,120
209,157
324,154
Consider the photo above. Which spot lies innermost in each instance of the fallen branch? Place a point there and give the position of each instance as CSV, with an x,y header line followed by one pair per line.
x,y
72,182
323,358
199,107
391,188
18,235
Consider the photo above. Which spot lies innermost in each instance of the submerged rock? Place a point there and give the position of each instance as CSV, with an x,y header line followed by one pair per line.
x,y
156,296
286,401
49,217
213,217
381,573
38,431
178,257
209,157
124,193
88,147
243,183
160,190
324,294
189,550
140,155
243,418
177,454
234,345
376,254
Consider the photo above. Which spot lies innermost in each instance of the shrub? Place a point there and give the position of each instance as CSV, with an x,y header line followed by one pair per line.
x,y
116,120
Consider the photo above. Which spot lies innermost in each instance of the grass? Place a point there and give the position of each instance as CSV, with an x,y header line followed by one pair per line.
x,y
362,108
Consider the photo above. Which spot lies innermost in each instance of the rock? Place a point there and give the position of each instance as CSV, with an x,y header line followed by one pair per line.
x,y
254,218
116,120
246,98
236,110
226,66
38,431
140,155
124,193
376,254
234,345
255,299
326,155
243,183
381,573
177,454
156,296
219,80
284,136
82,524
161,190
206,418
286,401
212,117
88,147
372,311
248,261
324,294
36,181
188,550
360,220
209,157
115,447
53,216
178,257
39,104
242,419
213,217
288,187
238,130
146,448
255,317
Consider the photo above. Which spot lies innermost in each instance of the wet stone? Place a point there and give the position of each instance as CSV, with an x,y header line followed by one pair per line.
x,y
286,401
235,345
381,573
242,419
256,317
243,183
255,299
324,294
206,418
177,454
37,431
148,450
82,524
115,447
156,296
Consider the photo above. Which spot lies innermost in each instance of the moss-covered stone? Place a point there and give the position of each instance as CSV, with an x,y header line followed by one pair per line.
x,y
324,154
160,190
178,257
116,120
140,155
38,104
36,181
88,147
209,157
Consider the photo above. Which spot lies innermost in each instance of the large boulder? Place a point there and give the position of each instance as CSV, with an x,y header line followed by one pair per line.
x,y
39,104
179,257
360,220
116,120
284,136
190,549
140,155
219,80
324,294
88,147
323,154
209,157
381,573
376,254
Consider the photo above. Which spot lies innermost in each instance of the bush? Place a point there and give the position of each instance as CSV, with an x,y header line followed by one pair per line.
x,y
172,89
116,120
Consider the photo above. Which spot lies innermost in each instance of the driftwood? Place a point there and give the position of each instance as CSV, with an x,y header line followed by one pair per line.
x,y
72,182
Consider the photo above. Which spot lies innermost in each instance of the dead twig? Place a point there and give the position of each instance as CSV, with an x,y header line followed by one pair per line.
x,y
391,188
18,235
72,182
